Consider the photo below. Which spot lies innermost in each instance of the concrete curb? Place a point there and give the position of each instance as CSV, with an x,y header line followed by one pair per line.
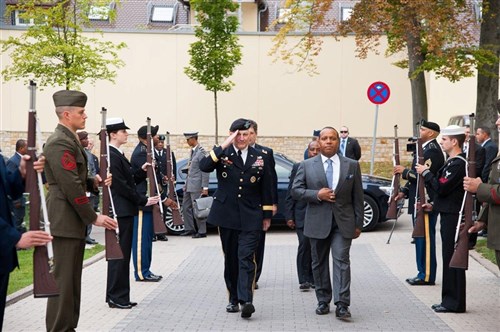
x,y
493,268
28,290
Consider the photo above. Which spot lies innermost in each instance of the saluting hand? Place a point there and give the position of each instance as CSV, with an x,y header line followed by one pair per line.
x,y
229,140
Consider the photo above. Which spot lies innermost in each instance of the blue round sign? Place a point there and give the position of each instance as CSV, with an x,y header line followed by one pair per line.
x,y
378,92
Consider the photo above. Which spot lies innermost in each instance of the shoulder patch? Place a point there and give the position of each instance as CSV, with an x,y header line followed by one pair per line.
x,y
428,163
68,161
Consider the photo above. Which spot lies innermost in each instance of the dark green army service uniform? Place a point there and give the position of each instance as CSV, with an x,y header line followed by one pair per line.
x,y
70,211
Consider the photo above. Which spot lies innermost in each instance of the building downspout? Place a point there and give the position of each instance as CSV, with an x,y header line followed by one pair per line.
x,y
259,13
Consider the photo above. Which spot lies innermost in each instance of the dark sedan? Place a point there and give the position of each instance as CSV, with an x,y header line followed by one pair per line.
x,y
375,190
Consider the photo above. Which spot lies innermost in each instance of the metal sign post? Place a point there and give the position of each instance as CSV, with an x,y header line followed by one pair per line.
x,y
378,93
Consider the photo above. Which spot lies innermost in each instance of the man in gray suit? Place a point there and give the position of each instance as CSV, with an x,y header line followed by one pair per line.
x,y
196,186
331,185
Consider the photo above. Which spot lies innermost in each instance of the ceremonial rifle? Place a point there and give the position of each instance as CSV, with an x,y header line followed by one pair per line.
x,y
44,283
460,258
111,237
176,214
158,224
421,217
393,211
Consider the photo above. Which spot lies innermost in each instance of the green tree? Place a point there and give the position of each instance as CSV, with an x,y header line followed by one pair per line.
x,y
436,36
217,51
54,50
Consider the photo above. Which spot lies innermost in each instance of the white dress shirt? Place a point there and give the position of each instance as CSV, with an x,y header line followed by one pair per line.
x,y
336,168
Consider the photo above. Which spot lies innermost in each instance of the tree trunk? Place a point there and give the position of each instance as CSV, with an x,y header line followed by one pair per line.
x,y
418,88
216,119
487,83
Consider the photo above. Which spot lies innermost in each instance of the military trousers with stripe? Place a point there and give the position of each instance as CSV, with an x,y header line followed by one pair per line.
x,y
142,244
425,250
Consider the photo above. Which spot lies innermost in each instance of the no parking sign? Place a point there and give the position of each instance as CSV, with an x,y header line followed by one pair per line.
x,y
378,93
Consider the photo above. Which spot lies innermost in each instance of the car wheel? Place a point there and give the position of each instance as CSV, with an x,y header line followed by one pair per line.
x,y
372,214
169,222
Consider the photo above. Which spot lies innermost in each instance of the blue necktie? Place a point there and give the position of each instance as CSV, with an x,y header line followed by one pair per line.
x,y
342,147
329,173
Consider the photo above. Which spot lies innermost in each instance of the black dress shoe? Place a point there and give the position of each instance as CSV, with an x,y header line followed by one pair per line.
x,y
150,278
89,240
441,308
232,307
132,304
323,308
256,286
162,237
434,306
156,276
198,236
187,233
115,305
342,312
419,282
247,309
305,286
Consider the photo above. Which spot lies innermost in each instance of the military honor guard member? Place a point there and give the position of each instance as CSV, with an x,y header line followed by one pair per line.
x,y
126,201
196,186
425,247
69,208
331,185
142,243
242,208
447,185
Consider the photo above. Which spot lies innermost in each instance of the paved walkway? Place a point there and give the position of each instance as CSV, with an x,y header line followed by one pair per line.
x,y
192,296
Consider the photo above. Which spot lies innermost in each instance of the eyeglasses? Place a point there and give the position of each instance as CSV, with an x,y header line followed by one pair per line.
x,y
343,131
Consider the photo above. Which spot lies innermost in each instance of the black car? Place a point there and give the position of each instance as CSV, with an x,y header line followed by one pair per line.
x,y
375,190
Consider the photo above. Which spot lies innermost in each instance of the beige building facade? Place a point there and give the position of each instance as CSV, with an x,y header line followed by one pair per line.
x,y
288,105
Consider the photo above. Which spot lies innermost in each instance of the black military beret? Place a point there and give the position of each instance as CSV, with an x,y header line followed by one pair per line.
x,y
316,133
143,131
69,98
430,125
115,124
240,124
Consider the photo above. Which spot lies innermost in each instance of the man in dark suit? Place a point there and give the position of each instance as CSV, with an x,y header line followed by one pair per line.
x,y
269,154
126,202
19,204
349,147
242,208
195,187
11,186
331,185
483,137
69,208
295,215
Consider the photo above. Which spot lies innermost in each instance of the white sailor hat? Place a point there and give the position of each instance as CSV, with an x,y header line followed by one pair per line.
x,y
453,130
115,124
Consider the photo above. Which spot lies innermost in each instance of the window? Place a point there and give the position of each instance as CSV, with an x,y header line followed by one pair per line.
x,y
18,20
162,14
345,13
99,13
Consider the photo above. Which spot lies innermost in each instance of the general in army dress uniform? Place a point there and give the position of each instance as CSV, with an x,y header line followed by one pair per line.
x,y
242,208
69,208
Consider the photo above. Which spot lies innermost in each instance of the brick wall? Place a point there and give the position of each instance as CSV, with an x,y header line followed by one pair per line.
x,y
292,146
